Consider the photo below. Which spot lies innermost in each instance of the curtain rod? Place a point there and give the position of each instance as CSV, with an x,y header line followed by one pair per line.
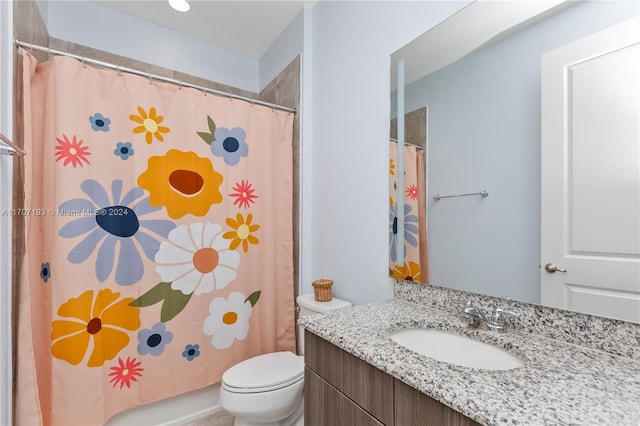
x,y
407,143
11,148
83,59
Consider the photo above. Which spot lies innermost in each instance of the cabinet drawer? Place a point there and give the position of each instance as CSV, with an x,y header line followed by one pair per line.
x,y
325,405
366,385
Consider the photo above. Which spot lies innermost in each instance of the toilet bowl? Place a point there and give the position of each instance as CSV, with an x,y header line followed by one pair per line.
x,y
267,389
264,390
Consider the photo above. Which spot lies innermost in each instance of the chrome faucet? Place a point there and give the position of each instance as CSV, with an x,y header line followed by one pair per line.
x,y
496,321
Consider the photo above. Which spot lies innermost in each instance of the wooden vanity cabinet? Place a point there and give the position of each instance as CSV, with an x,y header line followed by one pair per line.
x,y
412,407
363,386
342,390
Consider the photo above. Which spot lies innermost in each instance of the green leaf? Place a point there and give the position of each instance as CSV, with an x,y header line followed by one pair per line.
x,y
212,125
253,298
173,305
153,296
207,137
173,301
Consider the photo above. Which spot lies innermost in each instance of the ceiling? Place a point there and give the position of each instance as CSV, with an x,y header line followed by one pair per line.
x,y
245,26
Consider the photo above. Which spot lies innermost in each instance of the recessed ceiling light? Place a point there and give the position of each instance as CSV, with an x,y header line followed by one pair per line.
x,y
180,5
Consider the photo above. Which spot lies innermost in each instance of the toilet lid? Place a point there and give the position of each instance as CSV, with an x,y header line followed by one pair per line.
x,y
264,372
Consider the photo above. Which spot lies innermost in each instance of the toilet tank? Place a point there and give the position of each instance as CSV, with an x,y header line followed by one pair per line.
x,y
309,306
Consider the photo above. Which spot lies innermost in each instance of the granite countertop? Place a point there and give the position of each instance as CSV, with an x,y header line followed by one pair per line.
x,y
559,384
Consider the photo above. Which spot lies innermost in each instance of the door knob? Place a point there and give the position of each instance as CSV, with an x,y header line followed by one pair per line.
x,y
551,268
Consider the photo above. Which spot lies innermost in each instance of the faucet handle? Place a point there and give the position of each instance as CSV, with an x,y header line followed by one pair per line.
x,y
497,318
498,310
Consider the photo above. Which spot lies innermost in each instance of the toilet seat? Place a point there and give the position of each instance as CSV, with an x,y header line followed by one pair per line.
x,y
264,373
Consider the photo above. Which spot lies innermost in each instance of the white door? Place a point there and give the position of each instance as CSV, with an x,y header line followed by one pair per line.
x,y
591,174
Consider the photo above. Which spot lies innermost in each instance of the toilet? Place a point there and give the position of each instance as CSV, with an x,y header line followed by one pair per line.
x,y
267,389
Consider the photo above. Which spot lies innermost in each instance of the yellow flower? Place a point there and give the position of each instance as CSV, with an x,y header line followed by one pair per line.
x,y
392,167
241,232
182,182
408,272
149,123
100,320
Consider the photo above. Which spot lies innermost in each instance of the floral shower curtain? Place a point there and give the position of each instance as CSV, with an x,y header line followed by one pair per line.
x,y
159,240
414,267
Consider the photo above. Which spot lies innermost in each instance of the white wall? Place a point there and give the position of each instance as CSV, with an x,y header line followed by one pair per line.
x,y
346,195
284,49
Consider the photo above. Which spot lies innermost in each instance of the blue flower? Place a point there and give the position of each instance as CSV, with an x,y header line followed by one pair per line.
x,y
99,122
123,150
152,340
112,220
191,352
230,145
410,229
45,271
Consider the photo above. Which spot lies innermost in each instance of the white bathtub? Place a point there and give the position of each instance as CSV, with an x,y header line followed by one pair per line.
x,y
174,411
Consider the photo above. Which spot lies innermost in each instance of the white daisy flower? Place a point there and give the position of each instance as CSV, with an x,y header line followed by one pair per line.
x,y
197,259
229,320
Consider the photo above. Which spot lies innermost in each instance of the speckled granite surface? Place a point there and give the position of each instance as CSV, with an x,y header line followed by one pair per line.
x,y
613,336
560,383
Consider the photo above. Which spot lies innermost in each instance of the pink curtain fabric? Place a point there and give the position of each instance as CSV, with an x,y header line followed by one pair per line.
x,y
159,240
414,267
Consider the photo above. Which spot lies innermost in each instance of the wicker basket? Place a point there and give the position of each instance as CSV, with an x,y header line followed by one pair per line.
x,y
322,290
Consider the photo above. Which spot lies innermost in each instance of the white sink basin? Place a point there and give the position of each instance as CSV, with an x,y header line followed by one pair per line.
x,y
455,349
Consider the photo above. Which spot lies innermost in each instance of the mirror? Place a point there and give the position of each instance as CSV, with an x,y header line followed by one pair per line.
x,y
478,75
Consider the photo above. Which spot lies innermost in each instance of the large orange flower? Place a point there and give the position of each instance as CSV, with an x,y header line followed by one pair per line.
x,y
98,321
182,182
149,123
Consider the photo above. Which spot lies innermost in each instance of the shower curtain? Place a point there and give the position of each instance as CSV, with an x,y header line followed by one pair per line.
x,y
158,240
414,267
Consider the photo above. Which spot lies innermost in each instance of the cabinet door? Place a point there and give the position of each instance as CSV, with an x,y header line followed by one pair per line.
x,y
324,358
413,408
368,386
324,405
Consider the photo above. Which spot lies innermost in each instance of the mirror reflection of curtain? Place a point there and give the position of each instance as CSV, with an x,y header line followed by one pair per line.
x,y
414,265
